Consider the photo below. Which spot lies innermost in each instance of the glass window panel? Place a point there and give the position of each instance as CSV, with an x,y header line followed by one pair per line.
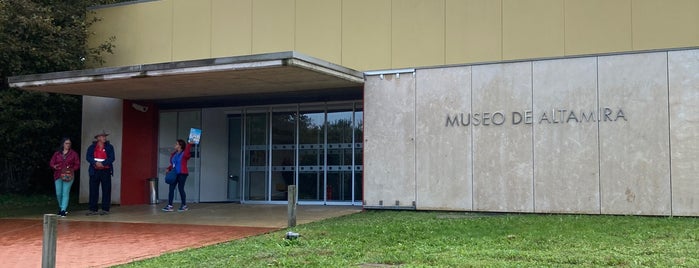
x,y
311,150
358,190
283,151
256,146
358,137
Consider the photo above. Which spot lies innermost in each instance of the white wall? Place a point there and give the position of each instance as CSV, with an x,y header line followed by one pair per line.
x,y
101,114
214,155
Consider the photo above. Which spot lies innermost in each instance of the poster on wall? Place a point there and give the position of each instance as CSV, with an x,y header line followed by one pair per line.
x,y
194,135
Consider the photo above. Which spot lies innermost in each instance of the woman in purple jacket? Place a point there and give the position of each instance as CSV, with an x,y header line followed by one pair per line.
x,y
64,163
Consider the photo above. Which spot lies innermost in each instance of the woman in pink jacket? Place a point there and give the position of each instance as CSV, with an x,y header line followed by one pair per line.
x,y
178,162
64,163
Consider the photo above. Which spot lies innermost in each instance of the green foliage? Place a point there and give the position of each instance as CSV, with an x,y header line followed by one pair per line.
x,y
40,36
32,125
442,239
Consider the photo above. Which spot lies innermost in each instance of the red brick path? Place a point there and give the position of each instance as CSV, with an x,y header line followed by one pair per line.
x,y
101,244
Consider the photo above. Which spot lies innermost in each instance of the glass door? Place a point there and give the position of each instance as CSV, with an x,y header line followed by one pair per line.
x,y
339,148
256,158
283,152
311,154
317,147
174,125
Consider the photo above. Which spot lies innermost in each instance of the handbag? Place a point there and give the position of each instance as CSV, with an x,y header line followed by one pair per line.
x,y
67,174
171,176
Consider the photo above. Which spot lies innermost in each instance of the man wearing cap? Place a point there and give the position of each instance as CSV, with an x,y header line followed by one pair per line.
x,y
100,155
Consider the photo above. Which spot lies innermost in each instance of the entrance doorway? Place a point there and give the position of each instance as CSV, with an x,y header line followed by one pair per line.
x,y
175,125
317,147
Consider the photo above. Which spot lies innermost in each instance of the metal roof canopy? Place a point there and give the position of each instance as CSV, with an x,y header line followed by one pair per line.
x,y
261,74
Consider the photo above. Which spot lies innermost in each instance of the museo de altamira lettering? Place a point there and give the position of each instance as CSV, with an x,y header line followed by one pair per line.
x,y
553,116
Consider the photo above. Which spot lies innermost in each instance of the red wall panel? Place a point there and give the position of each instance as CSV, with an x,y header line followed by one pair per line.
x,y
139,151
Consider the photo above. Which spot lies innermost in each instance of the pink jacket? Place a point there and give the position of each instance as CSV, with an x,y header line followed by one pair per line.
x,y
183,162
57,163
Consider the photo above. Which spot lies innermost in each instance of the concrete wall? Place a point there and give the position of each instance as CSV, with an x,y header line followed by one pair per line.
x,y
385,34
389,150
683,70
101,114
595,135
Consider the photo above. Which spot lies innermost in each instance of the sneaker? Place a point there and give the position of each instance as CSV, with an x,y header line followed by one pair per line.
x,y
62,213
168,208
183,208
91,213
104,212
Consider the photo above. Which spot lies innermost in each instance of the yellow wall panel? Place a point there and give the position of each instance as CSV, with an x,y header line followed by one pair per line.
x,y
532,29
231,28
665,24
597,26
473,31
417,35
366,34
143,33
191,38
319,29
273,26
386,34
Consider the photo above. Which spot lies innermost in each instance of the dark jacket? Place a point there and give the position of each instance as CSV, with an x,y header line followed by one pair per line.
x,y
90,156
57,163
183,162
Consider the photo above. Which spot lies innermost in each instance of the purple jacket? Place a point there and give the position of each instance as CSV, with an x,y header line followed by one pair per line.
x,y
57,162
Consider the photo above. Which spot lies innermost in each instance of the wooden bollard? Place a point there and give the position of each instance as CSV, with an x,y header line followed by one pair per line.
x,y
48,249
291,211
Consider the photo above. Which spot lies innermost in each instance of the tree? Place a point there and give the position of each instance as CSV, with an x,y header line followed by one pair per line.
x,y
40,36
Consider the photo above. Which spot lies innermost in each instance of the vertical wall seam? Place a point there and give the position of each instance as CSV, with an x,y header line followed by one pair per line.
x,y
564,28
415,137
390,42
599,143
444,30
293,47
252,25
631,18
502,30
172,31
669,129
211,32
470,128
342,28
531,76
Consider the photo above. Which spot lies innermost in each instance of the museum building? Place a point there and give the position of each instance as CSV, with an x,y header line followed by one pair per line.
x,y
536,106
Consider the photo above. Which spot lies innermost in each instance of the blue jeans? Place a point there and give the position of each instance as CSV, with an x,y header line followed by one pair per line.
x,y
181,179
100,178
63,193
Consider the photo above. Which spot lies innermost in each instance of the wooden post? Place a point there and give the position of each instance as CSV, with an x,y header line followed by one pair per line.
x,y
48,250
291,211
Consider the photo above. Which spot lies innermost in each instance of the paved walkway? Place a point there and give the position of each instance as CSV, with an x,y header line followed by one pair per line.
x,y
138,232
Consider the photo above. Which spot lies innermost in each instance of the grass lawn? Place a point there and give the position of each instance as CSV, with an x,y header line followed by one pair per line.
x,y
438,239
450,239
12,205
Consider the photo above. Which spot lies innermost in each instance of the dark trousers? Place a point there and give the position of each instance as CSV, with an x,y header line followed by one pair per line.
x,y
181,179
104,178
